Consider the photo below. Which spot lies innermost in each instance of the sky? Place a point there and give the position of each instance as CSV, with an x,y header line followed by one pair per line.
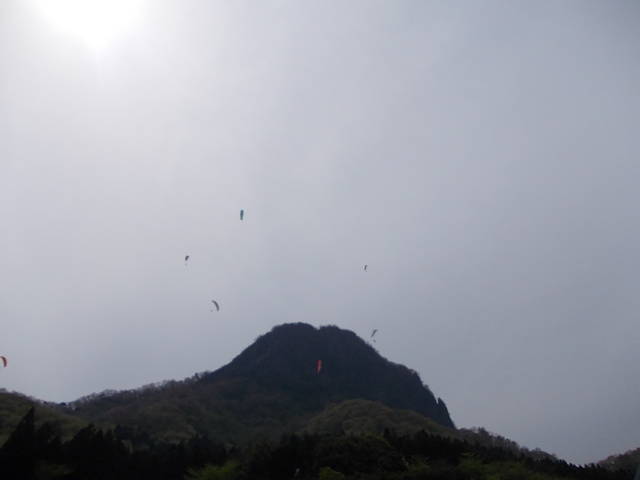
x,y
480,157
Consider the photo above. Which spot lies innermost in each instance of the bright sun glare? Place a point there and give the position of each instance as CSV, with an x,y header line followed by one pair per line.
x,y
95,22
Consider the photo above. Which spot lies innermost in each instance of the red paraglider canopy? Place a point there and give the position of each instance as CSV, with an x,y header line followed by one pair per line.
x,y
318,366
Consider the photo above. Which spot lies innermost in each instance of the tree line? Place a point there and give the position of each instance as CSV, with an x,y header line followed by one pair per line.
x,y
38,453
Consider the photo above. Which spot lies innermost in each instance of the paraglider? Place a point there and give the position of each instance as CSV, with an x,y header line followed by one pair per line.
x,y
318,367
365,267
186,258
216,305
372,334
4,361
241,214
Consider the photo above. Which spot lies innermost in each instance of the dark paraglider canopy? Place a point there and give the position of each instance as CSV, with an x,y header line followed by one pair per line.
x,y
365,267
216,305
241,214
4,360
375,330
186,258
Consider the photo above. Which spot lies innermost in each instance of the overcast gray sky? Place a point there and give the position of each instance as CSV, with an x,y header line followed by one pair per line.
x,y
481,157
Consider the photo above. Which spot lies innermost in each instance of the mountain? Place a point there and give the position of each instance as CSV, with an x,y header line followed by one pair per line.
x,y
286,359
274,387
271,388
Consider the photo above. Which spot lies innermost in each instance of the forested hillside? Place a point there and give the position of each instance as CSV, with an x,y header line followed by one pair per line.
x,y
33,452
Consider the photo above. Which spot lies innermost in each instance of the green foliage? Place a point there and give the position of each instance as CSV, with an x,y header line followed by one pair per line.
x,y
350,454
472,467
417,470
481,436
228,471
36,453
328,473
359,417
